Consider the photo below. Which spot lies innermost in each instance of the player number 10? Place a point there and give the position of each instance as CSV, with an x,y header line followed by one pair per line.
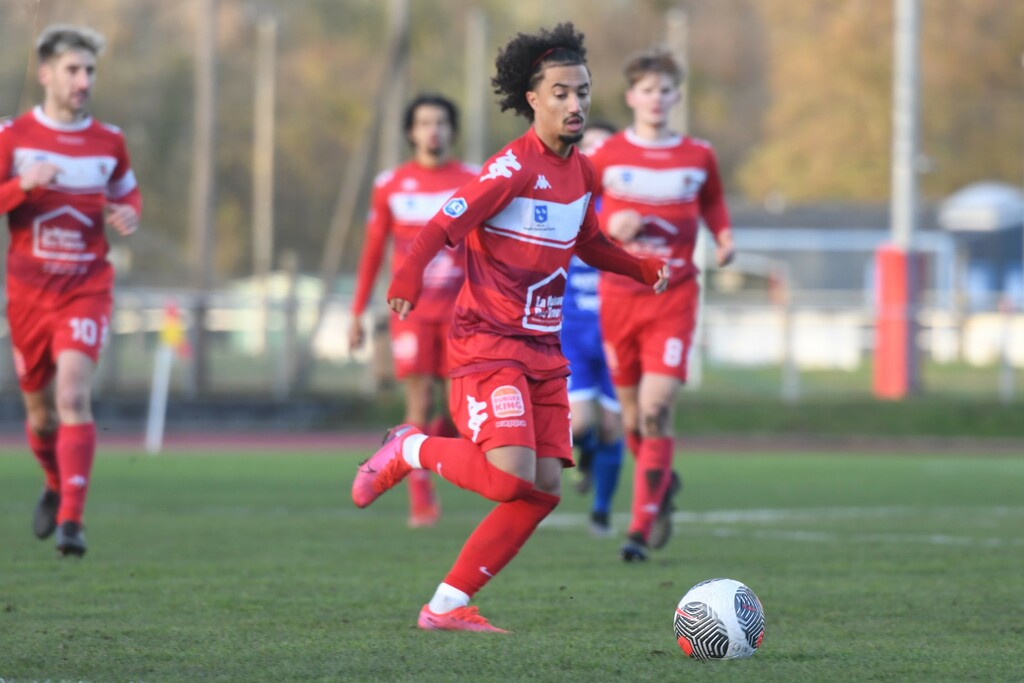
x,y
84,330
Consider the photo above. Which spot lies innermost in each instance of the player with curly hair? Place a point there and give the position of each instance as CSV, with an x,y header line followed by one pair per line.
x,y
521,219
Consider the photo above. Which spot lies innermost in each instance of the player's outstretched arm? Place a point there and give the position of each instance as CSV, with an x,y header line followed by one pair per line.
x,y
603,254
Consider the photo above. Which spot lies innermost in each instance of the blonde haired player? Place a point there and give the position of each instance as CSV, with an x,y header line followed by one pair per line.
x,y
64,177
655,185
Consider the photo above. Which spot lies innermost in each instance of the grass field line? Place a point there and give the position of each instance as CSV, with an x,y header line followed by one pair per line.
x,y
711,524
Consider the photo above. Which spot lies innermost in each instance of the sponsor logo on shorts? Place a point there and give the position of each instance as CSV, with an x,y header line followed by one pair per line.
x,y
511,423
507,402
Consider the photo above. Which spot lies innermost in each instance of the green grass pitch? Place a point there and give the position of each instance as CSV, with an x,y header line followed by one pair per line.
x,y
246,567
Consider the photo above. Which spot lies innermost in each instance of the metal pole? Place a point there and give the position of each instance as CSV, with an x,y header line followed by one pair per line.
x,y
202,192
263,148
677,35
204,118
477,90
263,171
905,120
392,133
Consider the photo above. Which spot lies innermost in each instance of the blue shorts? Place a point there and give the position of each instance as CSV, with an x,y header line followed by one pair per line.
x,y
589,378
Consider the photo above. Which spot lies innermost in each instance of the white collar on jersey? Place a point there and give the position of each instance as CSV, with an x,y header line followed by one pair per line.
x,y
42,118
670,141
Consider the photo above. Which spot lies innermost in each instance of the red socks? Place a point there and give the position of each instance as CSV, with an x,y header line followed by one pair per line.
x,y
651,479
497,539
76,445
633,441
44,447
463,463
421,489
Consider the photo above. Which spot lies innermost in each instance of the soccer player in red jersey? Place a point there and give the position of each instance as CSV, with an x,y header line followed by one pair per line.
x,y
522,219
655,185
403,200
63,177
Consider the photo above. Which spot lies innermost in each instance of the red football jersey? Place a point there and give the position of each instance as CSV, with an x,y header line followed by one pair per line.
x,y
403,200
521,219
58,242
671,183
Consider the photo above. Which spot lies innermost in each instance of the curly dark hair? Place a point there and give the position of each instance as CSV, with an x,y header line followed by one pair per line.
x,y
521,63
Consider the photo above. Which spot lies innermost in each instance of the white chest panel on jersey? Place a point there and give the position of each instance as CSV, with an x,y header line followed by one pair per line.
x,y
78,174
550,224
654,186
417,207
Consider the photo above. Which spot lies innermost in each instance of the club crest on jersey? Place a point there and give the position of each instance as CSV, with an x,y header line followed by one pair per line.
x,y
540,213
502,166
455,207
507,401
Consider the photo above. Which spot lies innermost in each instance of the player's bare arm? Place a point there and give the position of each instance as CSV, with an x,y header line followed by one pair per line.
x,y
39,174
725,252
123,218
625,225
356,333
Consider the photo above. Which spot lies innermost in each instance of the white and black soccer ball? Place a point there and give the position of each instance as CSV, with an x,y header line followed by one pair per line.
x,y
719,619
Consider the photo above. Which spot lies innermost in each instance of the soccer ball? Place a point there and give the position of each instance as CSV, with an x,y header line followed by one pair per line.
x,y
719,619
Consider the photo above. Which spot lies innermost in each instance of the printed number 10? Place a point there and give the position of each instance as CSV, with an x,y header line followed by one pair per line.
x,y
84,330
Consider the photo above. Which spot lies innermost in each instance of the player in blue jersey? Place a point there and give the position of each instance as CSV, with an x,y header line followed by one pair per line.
x,y
596,414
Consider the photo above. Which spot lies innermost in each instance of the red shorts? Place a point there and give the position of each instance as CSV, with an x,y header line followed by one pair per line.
x,y
649,334
40,334
419,348
506,408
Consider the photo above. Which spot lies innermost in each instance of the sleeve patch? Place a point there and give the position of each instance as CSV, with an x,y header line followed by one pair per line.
x,y
455,207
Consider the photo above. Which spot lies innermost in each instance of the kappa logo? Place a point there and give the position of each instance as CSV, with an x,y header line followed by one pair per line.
x,y
455,207
77,481
477,416
502,166
542,183
507,401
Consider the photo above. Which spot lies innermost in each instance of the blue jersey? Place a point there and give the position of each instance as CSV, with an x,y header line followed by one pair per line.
x,y
581,338
581,302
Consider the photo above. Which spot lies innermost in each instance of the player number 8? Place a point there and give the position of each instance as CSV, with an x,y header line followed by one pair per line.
x,y
673,352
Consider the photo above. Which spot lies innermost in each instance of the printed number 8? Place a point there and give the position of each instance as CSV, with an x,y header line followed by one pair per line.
x,y
673,352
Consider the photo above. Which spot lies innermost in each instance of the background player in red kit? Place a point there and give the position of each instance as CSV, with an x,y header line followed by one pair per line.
x,y
522,219
404,199
63,176
655,186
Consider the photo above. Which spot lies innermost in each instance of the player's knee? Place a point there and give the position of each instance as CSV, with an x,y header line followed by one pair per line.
x,y
654,422
73,404
42,419
508,488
